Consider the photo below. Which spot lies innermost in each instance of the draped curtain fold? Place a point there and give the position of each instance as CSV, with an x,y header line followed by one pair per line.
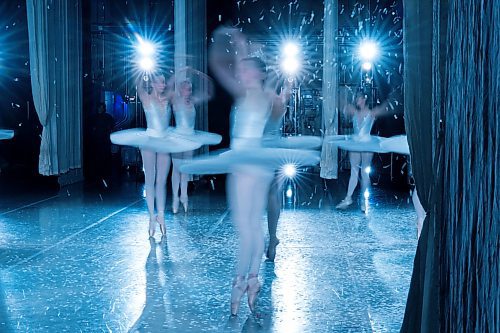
x,y
329,153
54,29
451,113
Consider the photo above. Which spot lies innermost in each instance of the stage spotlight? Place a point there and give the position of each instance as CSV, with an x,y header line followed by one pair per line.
x,y
366,194
367,66
289,193
368,50
146,48
289,170
290,66
368,170
291,50
146,64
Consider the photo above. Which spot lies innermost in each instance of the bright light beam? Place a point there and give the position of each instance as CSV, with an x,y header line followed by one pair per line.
x,y
368,50
146,64
289,170
290,66
291,50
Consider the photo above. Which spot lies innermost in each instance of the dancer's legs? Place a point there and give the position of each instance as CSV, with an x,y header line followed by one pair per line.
x,y
420,211
185,178
176,178
162,168
355,160
149,165
366,160
260,189
273,208
240,196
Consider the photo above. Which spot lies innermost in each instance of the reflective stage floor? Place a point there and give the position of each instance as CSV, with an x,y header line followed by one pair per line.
x,y
79,260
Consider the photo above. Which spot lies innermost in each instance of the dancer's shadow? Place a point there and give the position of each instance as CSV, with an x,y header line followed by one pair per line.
x,y
262,320
155,313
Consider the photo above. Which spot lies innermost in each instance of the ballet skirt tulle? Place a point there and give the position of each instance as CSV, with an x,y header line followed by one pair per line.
x,y
6,134
396,144
233,160
202,137
356,143
160,142
292,142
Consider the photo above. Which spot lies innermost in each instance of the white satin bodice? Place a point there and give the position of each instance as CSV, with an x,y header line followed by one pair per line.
x,y
157,118
249,118
363,128
185,117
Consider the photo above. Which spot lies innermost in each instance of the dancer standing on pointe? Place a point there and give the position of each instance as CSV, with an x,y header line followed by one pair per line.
x,y
184,103
363,119
248,186
250,165
155,144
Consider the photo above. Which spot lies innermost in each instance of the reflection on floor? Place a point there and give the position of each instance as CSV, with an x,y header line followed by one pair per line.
x,y
80,260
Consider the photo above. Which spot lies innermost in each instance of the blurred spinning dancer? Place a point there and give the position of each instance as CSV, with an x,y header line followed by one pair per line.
x,y
184,103
363,119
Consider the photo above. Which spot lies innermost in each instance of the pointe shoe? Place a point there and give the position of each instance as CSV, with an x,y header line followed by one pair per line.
x,y
161,221
253,290
184,202
152,226
271,249
344,203
175,205
239,289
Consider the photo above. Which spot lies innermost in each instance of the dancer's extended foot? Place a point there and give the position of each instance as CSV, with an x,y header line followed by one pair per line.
x,y
253,291
161,221
152,225
344,203
239,288
184,201
271,249
175,205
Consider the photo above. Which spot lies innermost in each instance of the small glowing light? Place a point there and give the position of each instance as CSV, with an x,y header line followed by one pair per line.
x,y
290,170
368,50
366,194
368,169
146,49
291,49
146,64
290,65
289,193
367,66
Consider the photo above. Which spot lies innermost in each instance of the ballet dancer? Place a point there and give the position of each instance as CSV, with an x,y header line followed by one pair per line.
x,y
155,144
184,103
363,119
250,165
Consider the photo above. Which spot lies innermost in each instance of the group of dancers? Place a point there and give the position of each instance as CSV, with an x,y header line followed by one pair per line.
x,y
256,155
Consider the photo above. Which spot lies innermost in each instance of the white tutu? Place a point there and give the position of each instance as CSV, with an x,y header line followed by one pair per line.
x,y
292,142
396,144
355,143
202,137
261,158
6,134
150,140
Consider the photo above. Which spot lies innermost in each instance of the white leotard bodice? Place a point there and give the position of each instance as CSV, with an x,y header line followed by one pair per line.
x,y
185,117
249,118
157,118
363,128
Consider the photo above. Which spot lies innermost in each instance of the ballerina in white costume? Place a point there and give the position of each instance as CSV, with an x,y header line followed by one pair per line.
x,y
399,144
361,145
185,117
251,166
155,144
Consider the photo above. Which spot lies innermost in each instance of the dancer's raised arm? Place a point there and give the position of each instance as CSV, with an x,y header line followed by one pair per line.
x,y
226,53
